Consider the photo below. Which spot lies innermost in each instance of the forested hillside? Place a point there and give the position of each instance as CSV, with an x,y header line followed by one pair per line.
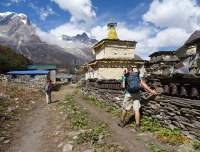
x,y
10,60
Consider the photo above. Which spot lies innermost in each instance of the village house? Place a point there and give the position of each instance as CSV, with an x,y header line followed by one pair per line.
x,y
112,56
190,48
31,78
63,79
34,76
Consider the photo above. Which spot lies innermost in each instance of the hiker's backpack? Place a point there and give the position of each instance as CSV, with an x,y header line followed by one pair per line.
x,y
132,79
47,87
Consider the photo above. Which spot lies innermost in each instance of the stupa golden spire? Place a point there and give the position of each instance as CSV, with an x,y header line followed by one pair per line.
x,y
112,33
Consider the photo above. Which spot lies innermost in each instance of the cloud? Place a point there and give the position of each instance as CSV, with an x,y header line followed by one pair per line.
x,y
171,23
137,33
17,1
123,32
5,4
41,11
82,17
52,39
99,32
183,14
169,37
81,11
46,37
69,29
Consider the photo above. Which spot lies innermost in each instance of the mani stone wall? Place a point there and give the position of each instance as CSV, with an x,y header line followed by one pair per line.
x,y
170,111
106,91
175,112
38,81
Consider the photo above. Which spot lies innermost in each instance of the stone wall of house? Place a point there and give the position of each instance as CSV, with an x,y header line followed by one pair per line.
x,y
53,76
170,111
38,81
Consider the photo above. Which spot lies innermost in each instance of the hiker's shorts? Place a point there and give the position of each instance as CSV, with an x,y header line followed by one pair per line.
x,y
131,100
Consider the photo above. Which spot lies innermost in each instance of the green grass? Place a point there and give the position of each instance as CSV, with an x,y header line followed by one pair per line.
x,y
93,135
154,147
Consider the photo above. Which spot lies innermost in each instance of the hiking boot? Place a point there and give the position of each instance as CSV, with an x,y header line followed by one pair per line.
x,y
121,123
137,127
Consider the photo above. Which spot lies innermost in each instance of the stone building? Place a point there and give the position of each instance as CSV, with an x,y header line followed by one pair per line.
x,y
112,56
162,56
51,68
190,48
64,79
31,78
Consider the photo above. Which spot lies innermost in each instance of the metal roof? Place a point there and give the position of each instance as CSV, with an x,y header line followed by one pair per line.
x,y
64,76
41,67
29,72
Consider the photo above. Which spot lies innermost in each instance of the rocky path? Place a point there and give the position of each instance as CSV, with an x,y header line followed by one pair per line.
x,y
43,129
31,130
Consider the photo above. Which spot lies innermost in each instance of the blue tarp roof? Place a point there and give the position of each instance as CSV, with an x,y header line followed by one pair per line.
x,y
29,72
83,79
64,76
41,67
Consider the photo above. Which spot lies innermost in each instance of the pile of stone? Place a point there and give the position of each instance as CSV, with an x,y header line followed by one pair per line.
x,y
3,77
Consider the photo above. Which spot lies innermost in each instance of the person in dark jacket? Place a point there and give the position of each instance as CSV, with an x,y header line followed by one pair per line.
x,y
48,88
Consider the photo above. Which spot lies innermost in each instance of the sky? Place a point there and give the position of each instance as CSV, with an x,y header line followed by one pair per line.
x,y
156,25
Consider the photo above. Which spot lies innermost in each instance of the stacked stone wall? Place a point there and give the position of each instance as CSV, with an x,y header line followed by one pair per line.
x,y
37,82
106,91
170,111
175,112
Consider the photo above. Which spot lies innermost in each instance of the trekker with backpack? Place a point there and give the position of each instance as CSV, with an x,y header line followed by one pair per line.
x,y
48,88
131,81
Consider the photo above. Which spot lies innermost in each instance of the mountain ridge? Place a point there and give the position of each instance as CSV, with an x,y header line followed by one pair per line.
x,y
17,31
82,38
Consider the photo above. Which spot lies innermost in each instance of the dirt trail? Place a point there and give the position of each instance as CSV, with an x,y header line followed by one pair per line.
x,y
133,140
30,130
36,132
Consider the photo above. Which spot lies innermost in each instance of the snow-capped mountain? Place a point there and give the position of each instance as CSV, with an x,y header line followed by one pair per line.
x,y
15,25
17,31
5,18
80,38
